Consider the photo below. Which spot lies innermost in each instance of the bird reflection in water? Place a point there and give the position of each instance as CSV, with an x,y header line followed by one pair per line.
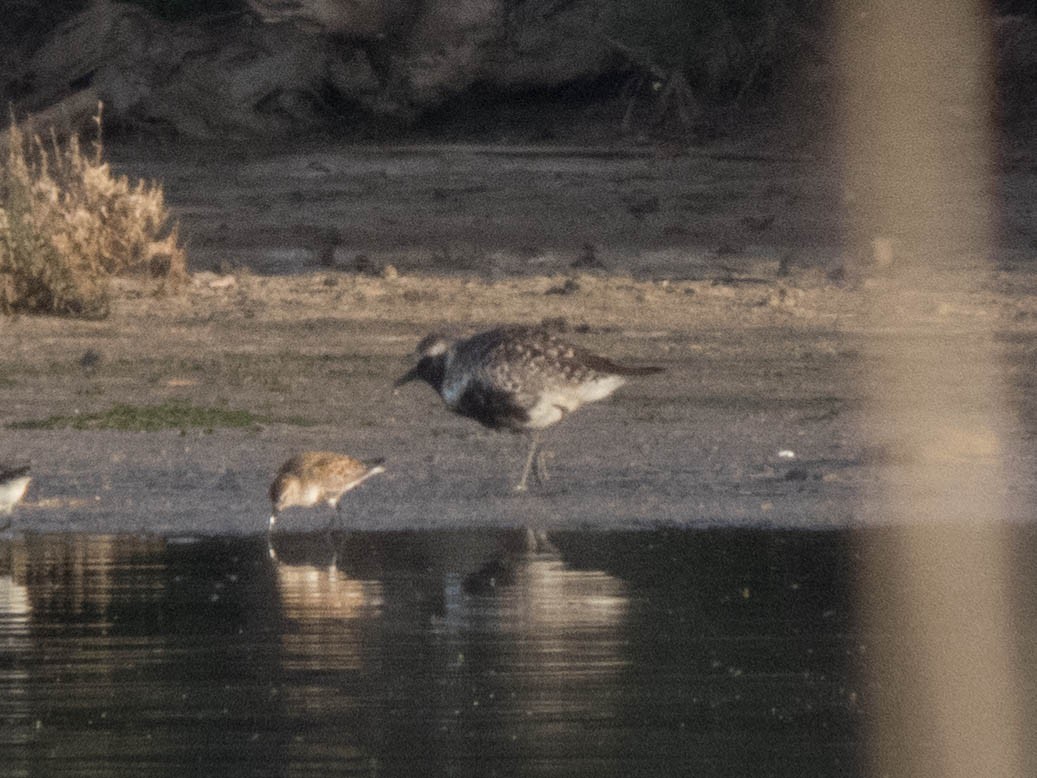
x,y
476,636
522,568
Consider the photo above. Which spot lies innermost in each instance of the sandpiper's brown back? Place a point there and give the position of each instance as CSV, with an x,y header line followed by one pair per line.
x,y
335,472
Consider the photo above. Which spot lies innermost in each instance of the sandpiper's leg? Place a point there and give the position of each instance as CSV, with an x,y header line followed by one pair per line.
x,y
334,517
534,446
273,521
329,540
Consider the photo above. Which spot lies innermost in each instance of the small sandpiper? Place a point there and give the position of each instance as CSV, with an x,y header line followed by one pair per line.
x,y
517,378
14,480
318,476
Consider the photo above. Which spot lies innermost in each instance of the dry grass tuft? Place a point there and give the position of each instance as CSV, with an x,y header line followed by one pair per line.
x,y
67,225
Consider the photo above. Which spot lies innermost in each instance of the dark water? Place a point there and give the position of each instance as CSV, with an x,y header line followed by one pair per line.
x,y
467,653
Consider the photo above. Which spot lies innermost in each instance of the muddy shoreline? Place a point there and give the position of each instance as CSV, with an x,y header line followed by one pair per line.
x,y
308,297
751,371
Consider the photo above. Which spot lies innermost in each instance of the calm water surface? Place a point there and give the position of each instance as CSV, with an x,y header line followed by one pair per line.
x,y
444,653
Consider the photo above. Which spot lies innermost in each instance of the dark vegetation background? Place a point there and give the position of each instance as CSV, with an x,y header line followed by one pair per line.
x,y
730,57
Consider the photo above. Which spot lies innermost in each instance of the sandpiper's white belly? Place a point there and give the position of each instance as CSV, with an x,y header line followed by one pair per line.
x,y
312,494
12,491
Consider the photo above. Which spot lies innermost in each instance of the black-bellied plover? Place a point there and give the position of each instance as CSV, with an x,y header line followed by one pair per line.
x,y
14,480
318,476
517,378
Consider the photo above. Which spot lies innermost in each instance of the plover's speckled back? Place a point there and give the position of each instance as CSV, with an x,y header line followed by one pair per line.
x,y
14,481
318,476
516,378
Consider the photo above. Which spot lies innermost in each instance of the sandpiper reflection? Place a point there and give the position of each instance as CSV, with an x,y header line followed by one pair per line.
x,y
15,613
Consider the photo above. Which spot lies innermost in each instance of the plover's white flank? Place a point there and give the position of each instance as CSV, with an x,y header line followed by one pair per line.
x,y
516,378
318,476
14,480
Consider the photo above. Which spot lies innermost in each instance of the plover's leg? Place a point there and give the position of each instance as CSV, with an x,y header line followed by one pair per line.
x,y
540,470
534,445
273,521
